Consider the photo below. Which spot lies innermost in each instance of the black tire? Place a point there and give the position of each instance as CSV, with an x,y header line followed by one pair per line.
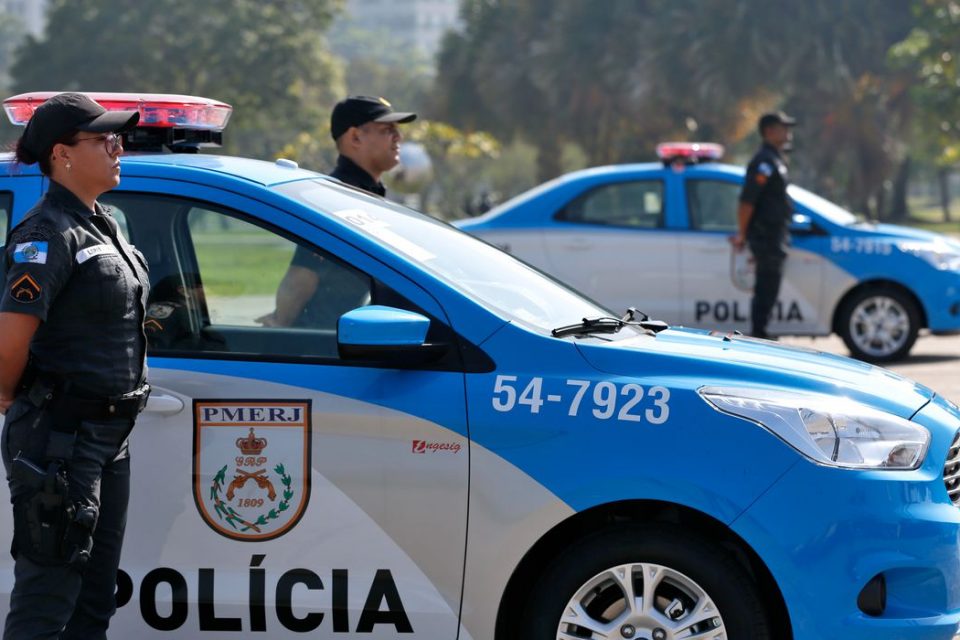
x,y
888,346
714,570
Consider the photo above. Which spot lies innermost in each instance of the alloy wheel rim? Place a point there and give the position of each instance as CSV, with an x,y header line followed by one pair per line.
x,y
641,601
879,326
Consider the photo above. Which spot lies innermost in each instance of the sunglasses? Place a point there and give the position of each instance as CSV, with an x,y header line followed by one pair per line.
x,y
112,142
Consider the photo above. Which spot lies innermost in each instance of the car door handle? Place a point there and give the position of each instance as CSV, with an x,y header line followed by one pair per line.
x,y
163,403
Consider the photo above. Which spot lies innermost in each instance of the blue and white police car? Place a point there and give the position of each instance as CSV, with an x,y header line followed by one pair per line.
x,y
460,447
656,236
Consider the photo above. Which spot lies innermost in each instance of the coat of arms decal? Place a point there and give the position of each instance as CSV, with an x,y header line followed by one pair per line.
x,y
251,478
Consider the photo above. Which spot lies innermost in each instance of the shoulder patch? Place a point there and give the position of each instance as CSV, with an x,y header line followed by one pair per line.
x,y
25,289
35,252
765,168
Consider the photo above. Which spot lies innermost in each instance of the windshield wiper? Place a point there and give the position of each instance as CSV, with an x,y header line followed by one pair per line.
x,y
609,324
603,324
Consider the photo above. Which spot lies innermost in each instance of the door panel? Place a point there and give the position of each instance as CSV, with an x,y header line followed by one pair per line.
x,y
717,282
610,244
277,488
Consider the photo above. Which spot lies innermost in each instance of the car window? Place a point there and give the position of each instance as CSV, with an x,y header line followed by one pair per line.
x,y
713,205
6,206
216,276
626,204
121,219
485,274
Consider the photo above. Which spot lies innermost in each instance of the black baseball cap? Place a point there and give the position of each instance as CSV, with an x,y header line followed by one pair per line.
x,y
359,110
66,112
775,117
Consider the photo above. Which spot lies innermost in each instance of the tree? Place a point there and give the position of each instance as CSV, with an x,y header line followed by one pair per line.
x,y
822,60
11,34
930,52
457,157
404,77
551,73
267,59
618,76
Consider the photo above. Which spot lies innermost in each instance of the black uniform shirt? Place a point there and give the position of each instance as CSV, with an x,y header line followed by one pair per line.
x,y
350,172
74,270
765,187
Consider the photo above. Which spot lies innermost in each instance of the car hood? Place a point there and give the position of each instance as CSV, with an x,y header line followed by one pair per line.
x,y
906,233
735,360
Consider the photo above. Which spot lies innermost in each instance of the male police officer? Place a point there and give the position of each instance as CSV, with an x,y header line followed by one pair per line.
x,y
764,214
368,141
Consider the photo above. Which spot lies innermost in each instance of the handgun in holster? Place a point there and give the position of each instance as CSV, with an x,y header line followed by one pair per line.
x,y
42,511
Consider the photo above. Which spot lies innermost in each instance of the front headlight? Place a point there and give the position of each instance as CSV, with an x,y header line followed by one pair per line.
x,y
831,431
940,255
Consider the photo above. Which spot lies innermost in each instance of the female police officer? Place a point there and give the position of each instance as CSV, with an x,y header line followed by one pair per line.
x,y
71,374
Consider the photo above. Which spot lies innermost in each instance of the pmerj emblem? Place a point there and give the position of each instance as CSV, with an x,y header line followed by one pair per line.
x,y
251,466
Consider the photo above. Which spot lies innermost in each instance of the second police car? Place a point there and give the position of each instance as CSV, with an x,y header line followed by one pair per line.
x,y
656,236
468,449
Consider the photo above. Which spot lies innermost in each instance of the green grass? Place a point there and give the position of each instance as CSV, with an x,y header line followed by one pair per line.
x,y
235,264
928,215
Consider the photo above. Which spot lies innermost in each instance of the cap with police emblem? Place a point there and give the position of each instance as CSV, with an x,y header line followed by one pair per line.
x,y
67,112
359,110
774,118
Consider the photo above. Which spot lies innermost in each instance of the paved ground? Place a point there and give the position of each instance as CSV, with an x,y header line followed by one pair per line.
x,y
934,361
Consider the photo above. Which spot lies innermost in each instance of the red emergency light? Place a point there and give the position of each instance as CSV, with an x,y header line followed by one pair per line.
x,y
689,152
182,124
156,109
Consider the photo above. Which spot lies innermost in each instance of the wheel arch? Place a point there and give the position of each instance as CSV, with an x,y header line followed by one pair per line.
x,y
591,520
878,283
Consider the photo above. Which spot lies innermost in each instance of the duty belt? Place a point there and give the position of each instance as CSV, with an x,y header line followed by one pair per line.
x,y
44,389
127,405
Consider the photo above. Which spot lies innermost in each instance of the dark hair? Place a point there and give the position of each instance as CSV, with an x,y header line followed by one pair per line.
x,y
25,156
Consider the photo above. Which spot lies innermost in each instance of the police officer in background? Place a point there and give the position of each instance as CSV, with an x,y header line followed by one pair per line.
x,y
764,214
72,366
368,142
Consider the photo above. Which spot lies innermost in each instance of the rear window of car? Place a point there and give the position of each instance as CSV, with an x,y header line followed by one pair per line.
x,y
636,204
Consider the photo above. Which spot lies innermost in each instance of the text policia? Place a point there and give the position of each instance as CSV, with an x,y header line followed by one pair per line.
x,y
267,608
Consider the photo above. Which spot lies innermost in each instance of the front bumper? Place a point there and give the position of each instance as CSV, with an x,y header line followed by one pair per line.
x,y
942,303
824,533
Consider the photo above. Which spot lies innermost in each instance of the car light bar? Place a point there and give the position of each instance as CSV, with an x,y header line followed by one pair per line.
x,y
159,110
689,152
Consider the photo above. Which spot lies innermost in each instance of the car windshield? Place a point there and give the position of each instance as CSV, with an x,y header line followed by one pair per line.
x,y
835,214
487,275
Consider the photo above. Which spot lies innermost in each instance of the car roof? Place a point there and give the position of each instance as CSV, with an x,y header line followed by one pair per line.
x,y
564,186
259,172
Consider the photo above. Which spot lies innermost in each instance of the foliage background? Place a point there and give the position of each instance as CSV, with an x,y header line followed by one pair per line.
x,y
528,89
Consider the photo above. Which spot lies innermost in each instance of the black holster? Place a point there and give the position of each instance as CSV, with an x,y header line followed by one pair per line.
x,y
42,511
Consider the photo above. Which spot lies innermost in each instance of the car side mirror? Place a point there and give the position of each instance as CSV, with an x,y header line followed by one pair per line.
x,y
385,335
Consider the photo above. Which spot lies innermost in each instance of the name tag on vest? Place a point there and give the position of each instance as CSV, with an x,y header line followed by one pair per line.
x,y
96,250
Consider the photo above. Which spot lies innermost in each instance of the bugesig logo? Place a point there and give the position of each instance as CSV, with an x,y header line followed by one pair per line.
x,y
422,446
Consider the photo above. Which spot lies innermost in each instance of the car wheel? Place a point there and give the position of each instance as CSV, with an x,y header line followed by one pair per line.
x,y
879,325
645,582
